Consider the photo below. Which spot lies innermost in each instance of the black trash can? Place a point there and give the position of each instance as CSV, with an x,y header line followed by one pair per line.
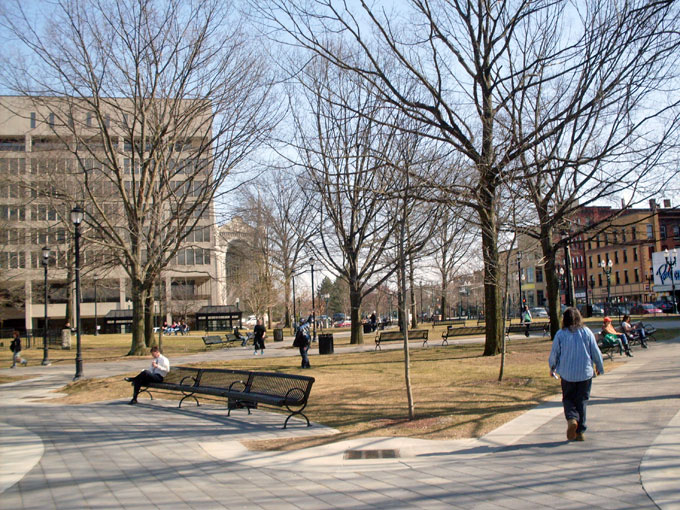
x,y
326,343
278,335
368,327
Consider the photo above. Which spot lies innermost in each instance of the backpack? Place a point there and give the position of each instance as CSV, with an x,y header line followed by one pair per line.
x,y
300,339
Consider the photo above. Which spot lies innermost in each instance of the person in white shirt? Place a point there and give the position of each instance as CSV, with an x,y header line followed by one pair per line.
x,y
160,366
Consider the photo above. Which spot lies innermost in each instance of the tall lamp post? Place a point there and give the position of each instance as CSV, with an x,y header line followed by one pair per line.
x,y
560,274
519,282
326,297
607,269
671,263
294,311
592,294
77,219
96,327
45,262
311,263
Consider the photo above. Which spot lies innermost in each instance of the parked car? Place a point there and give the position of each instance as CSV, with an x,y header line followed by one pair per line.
x,y
337,317
250,321
645,309
664,306
343,323
539,312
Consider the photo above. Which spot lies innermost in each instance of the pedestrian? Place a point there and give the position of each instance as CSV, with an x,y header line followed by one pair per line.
x,y
574,350
374,322
302,341
526,319
259,334
15,347
160,366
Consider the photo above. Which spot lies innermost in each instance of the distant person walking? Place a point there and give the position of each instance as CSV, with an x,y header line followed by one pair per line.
x,y
302,341
160,366
526,319
15,347
259,334
574,350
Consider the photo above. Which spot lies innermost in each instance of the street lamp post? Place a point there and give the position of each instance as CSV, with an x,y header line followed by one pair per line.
x,y
311,263
77,219
607,269
45,262
560,274
671,263
96,330
326,297
592,294
519,282
294,310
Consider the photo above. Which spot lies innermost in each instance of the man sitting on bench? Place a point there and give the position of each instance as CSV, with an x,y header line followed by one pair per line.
x,y
160,366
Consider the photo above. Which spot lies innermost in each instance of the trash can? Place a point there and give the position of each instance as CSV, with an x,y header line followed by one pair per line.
x,y
326,343
278,335
368,327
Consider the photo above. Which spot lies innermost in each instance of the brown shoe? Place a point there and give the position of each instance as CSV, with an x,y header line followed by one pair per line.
x,y
571,429
580,437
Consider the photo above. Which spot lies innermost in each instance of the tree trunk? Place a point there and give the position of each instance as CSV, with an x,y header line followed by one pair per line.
x,y
149,339
355,315
403,324
138,347
551,281
492,309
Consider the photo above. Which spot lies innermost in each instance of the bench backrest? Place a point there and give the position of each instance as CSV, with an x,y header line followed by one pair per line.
x,y
390,335
465,330
182,375
224,378
417,334
294,388
212,340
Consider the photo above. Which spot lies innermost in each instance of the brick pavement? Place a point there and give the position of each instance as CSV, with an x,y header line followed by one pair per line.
x,y
110,455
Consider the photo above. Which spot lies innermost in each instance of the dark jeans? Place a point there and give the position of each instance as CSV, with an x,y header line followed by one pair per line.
x,y
142,379
574,398
258,343
305,358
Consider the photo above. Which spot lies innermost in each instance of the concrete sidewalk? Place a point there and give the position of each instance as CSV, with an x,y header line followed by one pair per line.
x,y
110,455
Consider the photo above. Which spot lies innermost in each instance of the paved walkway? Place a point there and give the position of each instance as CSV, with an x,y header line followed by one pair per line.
x,y
110,455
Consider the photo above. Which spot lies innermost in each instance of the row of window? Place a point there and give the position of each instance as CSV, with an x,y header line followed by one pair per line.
x,y
192,257
94,144
606,259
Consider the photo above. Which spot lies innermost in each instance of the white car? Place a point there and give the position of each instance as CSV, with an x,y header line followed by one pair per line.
x,y
251,320
539,312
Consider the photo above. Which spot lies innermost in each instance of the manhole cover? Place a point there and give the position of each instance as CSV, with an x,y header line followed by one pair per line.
x,y
371,454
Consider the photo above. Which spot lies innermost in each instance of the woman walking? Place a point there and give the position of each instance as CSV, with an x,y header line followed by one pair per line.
x,y
574,350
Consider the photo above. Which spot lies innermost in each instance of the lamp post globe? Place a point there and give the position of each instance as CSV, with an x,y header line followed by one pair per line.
x,y
77,218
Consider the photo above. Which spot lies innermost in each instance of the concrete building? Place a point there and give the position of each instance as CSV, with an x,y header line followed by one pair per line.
x,y
36,158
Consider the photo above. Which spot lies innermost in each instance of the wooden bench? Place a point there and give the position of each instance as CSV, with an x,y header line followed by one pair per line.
x,y
449,322
607,346
241,388
634,338
212,340
461,331
413,334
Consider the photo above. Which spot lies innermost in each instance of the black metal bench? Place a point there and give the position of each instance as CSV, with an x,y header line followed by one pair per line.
x,y
542,326
212,340
461,331
241,388
449,322
413,334
608,347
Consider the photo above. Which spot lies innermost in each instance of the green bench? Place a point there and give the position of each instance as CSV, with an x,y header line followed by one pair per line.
x,y
461,331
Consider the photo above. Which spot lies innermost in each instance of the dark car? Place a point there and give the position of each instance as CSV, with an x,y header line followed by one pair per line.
x,y
664,306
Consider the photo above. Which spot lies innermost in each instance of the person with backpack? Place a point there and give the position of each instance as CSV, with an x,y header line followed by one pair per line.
x,y
302,341
526,319
15,347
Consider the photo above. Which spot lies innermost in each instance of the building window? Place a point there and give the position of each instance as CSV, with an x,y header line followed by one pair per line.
x,y
623,235
616,237
635,254
616,257
633,233
606,258
539,275
637,275
625,276
650,231
618,278
33,120
662,231
598,259
597,241
88,119
625,256
590,261
50,119
599,280
676,232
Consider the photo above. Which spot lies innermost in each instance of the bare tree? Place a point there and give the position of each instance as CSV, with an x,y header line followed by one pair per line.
x,y
454,67
157,102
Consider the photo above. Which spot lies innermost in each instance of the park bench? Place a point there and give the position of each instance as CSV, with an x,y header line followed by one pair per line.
x,y
607,345
461,331
634,338
481,322
413,334
542,326
212,340
448,322
241,388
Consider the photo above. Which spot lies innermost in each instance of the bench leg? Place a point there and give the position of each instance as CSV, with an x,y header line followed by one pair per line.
x,y
377,347
293,413
187,396
425,344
